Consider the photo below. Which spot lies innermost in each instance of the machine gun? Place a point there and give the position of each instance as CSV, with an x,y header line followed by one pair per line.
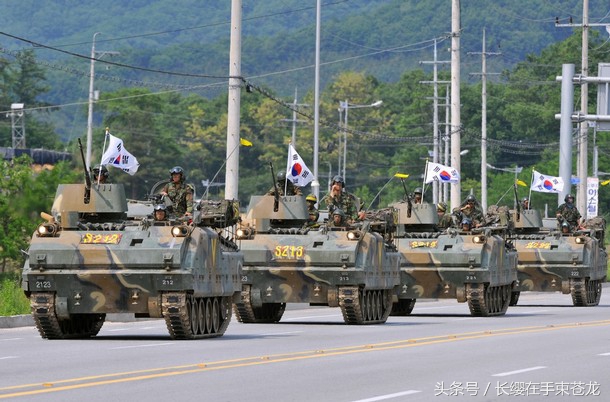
x,y
87,196
276,201
517,203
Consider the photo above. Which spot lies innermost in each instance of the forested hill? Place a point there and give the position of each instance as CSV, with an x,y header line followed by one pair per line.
x,y
379,37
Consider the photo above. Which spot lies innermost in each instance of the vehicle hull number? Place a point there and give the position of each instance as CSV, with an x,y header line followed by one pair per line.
x,y
285,252
98,238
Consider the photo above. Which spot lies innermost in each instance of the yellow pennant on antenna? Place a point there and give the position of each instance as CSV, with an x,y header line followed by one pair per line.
x,y
521,183
605,182
401,175
245,143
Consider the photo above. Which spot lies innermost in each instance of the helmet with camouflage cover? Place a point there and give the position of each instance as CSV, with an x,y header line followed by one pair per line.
x,y
441,207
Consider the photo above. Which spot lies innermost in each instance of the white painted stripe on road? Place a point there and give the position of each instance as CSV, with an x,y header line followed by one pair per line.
x,y
525,370
11,339
8,357
310,316
117,329
282,333
527,312
604,354
389,396
142,346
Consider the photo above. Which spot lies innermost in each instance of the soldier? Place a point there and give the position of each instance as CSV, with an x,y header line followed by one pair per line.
x,y
338,219
313,212
338,197
471,210
525,203
160,212
417,196
284,183
565,227
180,193
466,224
100,174
569,213
444,219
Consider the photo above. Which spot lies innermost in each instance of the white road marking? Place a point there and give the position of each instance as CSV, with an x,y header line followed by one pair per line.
x,y
142,346
282,333
527,312
525,370
389,396
309,317
604,354
11,339
8,357
117,329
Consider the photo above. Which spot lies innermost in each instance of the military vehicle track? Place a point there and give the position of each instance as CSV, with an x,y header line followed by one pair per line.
x,y
585,292
403,307
49,325
362,306
486,301
189,317
268,313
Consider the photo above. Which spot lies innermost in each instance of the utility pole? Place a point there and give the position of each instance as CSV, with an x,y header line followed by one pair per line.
x,y
484,75
294,119
92,97
456,122
234,104
435,131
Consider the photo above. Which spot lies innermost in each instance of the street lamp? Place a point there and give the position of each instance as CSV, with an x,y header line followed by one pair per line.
x,y
92,96
345,106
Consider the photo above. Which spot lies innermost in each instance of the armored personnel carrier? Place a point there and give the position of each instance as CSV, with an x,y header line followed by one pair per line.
x,y
287,261
572,263
90,259
477,266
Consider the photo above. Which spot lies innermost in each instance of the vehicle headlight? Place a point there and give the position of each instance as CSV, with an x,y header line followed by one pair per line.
x,y
479,239
354,235
580,240
46,230
180,231
244,233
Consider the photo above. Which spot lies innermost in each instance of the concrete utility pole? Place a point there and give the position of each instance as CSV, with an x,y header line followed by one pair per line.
x,y
315,184
456,122
484,75
234,104
92,97
565,130
435,105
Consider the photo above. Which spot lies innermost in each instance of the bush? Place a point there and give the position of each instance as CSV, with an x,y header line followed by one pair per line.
x,y
13,300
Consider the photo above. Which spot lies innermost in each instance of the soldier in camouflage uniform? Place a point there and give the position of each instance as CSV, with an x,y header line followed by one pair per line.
x,y
312,211
444,219
338,197
569,213
338,219
180,193
284,183
472,210
417,196
100,174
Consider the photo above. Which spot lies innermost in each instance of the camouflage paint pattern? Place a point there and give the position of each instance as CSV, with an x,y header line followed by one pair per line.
x,y
285,262
99,262
439,264
548,259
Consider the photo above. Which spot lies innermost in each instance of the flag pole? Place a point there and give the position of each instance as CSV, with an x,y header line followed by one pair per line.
x,y
529,197
287,168
424,181
103,152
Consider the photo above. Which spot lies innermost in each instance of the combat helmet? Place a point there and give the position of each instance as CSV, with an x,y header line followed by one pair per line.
x,y
312,198
339,211
101,170
471,198
338,179
281,177
179,170
568,197
441,206
418,190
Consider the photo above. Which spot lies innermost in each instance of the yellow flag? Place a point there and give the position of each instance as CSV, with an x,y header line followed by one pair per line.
x,y
245,143
401,175
605,182
521,183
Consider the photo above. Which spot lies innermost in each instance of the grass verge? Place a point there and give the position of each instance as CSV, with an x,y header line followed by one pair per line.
x,y
12,299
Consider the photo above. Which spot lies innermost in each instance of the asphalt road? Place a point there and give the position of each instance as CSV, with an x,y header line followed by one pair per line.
x,y
542,349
